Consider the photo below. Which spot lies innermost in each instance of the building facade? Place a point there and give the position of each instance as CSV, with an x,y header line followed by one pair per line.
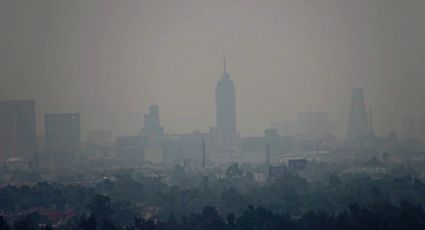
x,y
17,132
62,132
358,126
226,113
152,129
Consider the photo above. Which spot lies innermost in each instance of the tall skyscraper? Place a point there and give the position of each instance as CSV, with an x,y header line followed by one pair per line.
x,y
358,126
17,128
226,112
153,134
152,128
62,131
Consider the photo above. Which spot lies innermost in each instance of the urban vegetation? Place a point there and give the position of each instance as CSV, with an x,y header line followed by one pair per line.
x,y
133,201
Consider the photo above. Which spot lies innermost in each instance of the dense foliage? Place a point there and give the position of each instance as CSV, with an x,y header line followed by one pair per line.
x,y
384,216
290,202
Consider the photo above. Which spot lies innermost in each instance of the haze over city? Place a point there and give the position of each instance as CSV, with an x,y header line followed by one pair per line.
x,y
110,60
212,115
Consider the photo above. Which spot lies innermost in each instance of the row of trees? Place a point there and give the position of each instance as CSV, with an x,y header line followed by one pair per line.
x,y
383,216
291,193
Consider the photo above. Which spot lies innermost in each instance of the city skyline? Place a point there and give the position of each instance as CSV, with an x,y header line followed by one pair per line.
x,y
357,96
212,114
111,61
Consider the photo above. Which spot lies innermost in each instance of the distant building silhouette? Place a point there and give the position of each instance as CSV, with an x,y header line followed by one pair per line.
x,y
358,126
226,113
153,134
151,127
277,171
187,146
275,144
62,131
131,150
17,128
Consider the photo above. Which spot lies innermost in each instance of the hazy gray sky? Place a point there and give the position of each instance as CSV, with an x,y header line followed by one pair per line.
x,y
111,59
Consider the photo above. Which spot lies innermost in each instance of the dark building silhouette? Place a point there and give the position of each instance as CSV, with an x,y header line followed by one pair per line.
x,y
226,113
358,126
131,149
153,134
17,128
276,144
277,171
62,131
152,129
297,164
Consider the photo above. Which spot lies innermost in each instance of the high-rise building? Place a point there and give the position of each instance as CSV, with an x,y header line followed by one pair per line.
x,y
17,128
226,112
358,126
62,131
151,127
